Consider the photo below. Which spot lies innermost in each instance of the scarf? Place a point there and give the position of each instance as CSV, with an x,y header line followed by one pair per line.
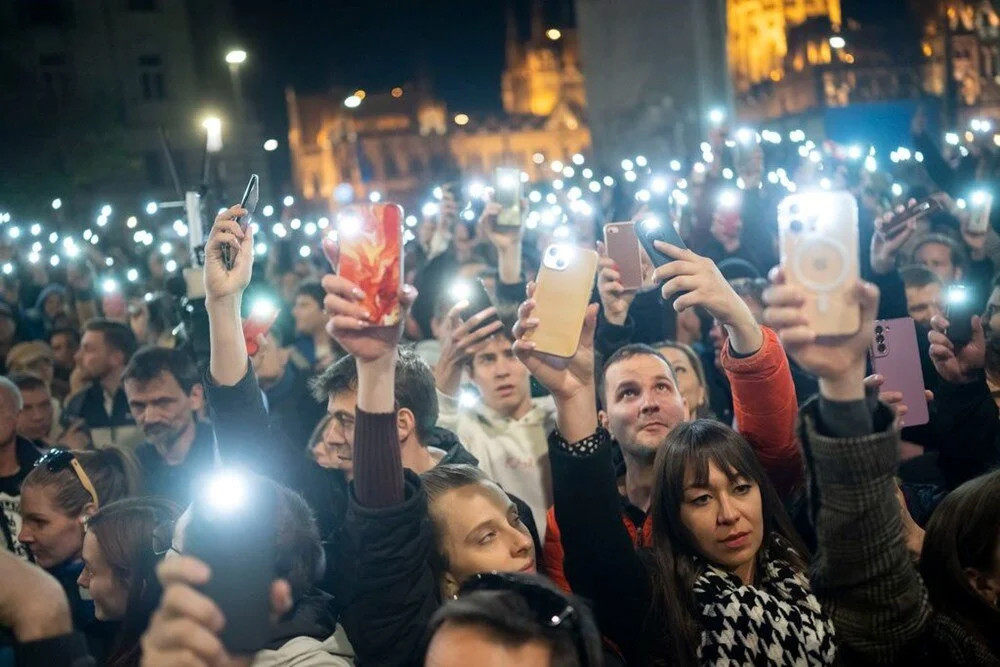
x,y
776,622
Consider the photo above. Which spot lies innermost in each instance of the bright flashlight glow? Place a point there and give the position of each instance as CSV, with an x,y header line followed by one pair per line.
x,y
262,308
838,42
56,204
271,145
226,491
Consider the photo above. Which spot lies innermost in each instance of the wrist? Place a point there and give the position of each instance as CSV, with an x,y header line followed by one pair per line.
x,y
223,302
617,319
745,335
576,414
844,387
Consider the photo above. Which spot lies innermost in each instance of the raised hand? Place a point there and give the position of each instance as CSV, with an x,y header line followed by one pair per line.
x,y
838,361
894,399
615,299
350,324
884,246
221,282
459,342
957,366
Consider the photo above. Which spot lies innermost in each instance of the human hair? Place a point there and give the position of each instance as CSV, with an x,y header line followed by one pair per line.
x,y
65,331
117,335
13,394
124,531
508,618
162,314
703,410
313,290
149,362
436,482
963,532
299,556
676,561
916,275
414,387
958,258
28,382
627,352
114,473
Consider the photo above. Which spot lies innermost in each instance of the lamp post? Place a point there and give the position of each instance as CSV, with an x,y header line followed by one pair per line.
x,y
234,59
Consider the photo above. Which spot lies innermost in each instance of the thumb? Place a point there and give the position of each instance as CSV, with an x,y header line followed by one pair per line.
x,y
589,325
332,251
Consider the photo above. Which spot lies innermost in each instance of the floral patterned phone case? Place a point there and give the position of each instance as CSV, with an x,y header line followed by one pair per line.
x,y
371,256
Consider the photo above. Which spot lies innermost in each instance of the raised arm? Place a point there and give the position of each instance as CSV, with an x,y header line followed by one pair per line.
x,y
587,505
861,572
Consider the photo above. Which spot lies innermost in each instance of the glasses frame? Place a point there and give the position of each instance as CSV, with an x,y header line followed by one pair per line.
x,y
58,459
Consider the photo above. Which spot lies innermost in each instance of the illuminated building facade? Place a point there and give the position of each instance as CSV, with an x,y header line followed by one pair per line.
x,y
399,142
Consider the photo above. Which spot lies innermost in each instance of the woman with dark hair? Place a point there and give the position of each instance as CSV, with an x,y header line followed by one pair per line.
x,y
960,561
125,541
57,497
690,375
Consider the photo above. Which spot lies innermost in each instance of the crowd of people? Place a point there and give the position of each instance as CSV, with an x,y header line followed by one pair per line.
x,y
703,481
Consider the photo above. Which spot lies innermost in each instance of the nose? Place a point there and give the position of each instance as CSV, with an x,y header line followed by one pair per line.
x,y
648,403
25,536
728,514
78,356
521,545
84,579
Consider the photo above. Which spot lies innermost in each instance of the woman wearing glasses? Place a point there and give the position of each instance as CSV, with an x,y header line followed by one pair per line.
x,y
125,541
57,496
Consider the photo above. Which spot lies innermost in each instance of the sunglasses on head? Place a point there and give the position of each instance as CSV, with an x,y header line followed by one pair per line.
x,y
58,459
549,608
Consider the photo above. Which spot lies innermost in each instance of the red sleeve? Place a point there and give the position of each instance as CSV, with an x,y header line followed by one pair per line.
x,y
766,410
552,552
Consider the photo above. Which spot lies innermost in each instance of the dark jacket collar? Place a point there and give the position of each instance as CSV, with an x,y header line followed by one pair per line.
x,y
455,453
311,616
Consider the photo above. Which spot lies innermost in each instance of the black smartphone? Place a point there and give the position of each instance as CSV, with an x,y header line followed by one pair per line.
x,y
249,204
656,228
961,306
232,530
923,207
474,291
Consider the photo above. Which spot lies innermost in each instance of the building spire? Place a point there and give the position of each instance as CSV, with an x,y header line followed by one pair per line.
x,y
537,21
513,43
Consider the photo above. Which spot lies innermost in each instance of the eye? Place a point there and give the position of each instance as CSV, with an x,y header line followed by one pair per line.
x,y
663,386
487,538
701,500
743,488
626,393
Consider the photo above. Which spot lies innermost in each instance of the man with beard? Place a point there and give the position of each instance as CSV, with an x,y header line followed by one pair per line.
x,y
641,403
165,395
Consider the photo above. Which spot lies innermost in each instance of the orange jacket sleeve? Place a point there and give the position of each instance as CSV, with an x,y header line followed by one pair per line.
x,y
553,554
766,410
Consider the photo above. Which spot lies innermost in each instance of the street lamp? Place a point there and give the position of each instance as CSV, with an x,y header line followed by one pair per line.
x,y
213,134
553,33
838,42
271,145
235,58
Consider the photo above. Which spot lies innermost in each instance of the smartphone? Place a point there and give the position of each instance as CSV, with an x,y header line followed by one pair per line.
x,y
654,228
507,193
623,247
961,306
473,291
922,207
562,292
980,206
262,316
818,235
371,256
248,203
232,530
896,357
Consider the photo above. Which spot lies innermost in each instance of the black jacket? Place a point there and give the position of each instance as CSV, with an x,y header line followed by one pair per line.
x,y
118,428
174,482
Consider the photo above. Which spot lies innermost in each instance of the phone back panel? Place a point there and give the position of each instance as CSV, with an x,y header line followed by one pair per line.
x,y
507,193
623,247
818,234
653,229
562,293
371,256
896,357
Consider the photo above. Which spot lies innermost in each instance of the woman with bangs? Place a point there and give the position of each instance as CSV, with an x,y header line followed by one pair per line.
x,y
724,581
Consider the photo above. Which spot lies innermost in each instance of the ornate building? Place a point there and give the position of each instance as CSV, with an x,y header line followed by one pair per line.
x,y
400,142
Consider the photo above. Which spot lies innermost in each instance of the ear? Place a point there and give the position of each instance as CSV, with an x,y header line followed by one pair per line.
x,y
197,397
88,511
449,586
406,424
602,419
985,586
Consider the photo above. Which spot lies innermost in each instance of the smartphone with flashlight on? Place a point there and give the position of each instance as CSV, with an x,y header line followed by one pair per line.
x,y
925,206
980,207
263,314
562,292
371,256
249,204
818,237
961,306
654,228
478,298
233,530
507,193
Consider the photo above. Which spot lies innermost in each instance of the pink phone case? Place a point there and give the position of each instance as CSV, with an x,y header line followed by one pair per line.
x,y
623,248
896,357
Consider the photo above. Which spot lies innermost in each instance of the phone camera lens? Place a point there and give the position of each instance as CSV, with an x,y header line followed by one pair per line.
x,y
879,330
881,347
795,226
560,264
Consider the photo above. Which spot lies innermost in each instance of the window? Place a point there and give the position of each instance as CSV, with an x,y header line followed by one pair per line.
x,y
142,5
151,78
55,75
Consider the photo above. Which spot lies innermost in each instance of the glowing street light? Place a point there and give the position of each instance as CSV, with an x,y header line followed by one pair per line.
x,y
352,102
271,145
213,133
461,119
236,57
56,204
553,34
838,42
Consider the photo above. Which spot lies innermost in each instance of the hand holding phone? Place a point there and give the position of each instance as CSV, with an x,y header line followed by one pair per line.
x,y
623,248
262,316
507,193
896,357
652,228
371,256
249,204
477,298
562,292
980,207
961,307
896,224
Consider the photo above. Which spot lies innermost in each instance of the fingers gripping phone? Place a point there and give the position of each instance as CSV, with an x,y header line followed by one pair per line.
x,y
623,247
371,256
961,306
478,298
507,193
653,228
262,316
232,530
818,233
249,204
896,357
923,207
562,292
980,207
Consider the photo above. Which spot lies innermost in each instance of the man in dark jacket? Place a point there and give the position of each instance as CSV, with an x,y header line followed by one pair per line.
x,y
17,458
165,395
